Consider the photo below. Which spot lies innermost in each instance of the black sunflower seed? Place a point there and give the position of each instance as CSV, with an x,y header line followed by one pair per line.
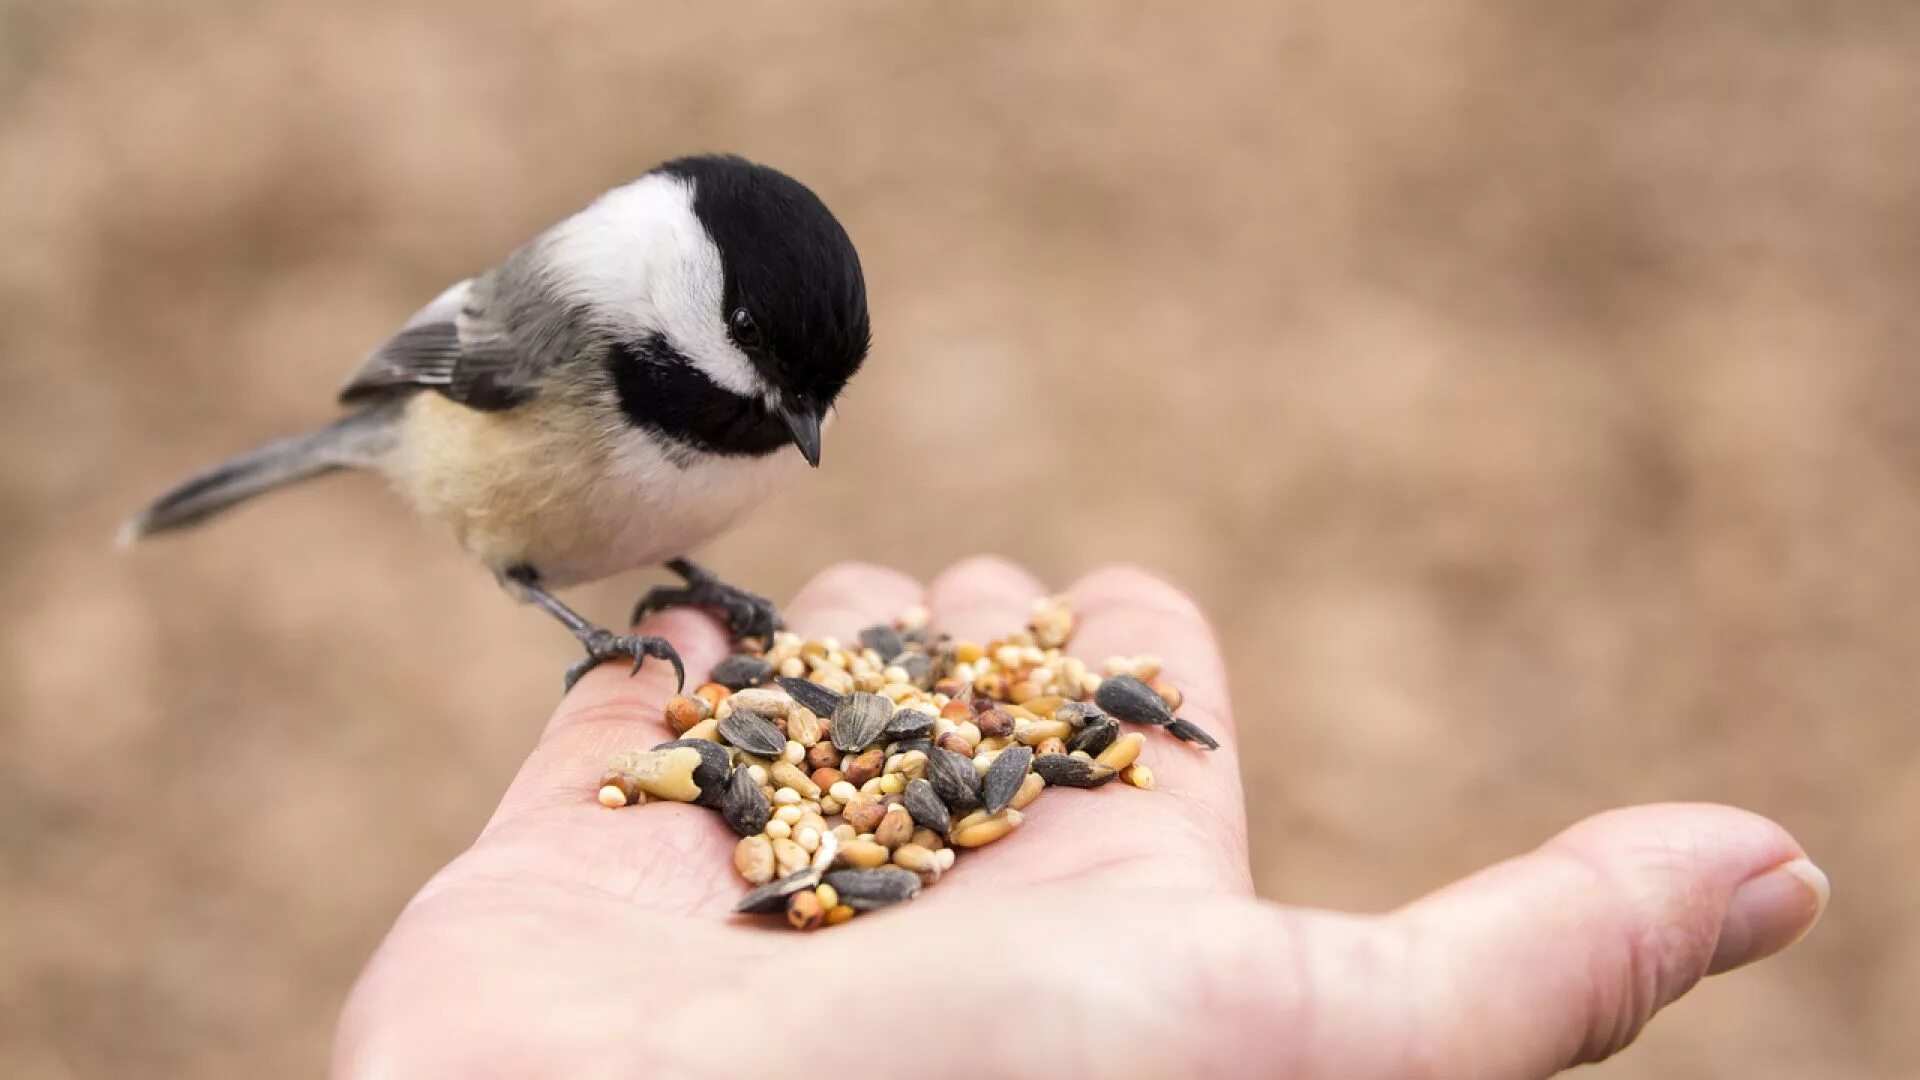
x,y
1079,713
865,890
927,809
860,720
819,700
918,666
771,898
907,746
1003,778
711,776
953,780
909,724
1096,736
1132,700
1192,732
1062,770
745,806
741,670
754,734
884,640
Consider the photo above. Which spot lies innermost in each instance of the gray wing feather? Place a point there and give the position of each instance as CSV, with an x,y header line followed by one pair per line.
x,y
474,345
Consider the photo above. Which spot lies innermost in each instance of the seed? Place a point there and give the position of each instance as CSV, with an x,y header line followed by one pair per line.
x,y
707,730
753,733
818,699
823,755
842,791
789,814
916,667
839,914
865,890
842,832
912,764
928,839
954,780
953,742
1096,736
825,779
684,712
956,710
803,727
712,693
925,806
1004,777
994,723
1079,713
892,785
624,790
1046,707
829,898
741,670
908,746
745,806
913,857
1030,788
864,854
884,640
666,774
804,911
793,753
753,859
909,723
1191,732
828,851
980,828
864,766
860,719
807,837
992,684
715,767
1065,770
786,796
895,828
1138,775
1049,746
864,813
788,856
1025,690
1123,751
1035,732
793,667
772,896
787,774
1052,622
769,703
1126,697
780,830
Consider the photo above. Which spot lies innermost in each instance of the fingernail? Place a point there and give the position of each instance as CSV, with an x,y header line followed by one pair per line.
x,y
1769,913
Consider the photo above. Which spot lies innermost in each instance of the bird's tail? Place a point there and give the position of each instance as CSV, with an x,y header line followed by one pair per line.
x,y
352,441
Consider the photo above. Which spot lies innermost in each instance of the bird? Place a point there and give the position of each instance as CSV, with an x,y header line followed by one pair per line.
x,y
625,386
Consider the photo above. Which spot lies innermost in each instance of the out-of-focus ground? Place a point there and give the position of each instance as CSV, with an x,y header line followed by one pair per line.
x,y
1529,390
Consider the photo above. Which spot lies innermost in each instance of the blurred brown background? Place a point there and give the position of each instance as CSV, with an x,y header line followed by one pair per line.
x,y
1529,389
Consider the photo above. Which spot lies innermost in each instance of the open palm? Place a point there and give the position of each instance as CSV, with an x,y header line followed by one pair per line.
x,y
1114,934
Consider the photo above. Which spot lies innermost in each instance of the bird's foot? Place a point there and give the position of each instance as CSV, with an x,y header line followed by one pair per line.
x,y
746,614
604,645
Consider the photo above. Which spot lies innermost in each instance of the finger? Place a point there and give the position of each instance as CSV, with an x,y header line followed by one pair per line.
x,y
1561,956
982,598
845,599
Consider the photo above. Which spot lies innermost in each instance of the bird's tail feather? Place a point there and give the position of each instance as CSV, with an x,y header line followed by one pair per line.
x,y
352,441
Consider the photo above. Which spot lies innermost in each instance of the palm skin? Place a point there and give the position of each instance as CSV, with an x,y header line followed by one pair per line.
x,y
1116,933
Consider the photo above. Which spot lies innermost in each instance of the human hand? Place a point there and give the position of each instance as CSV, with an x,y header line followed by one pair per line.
x,y
1116,933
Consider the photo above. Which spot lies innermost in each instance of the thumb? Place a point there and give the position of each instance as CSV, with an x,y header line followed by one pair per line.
x,y
1561,956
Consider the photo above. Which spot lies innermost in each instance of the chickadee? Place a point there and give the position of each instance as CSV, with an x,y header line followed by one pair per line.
x,y
617,391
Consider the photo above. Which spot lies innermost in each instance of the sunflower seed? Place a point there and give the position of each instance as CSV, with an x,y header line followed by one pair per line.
x,y
918,666
926,807
1079,713
865,890
907,746
745,806
1061,770
954,779
772,897
754,734
739,671
1191,732
1096,736
884,640
1003,778
818,699
711,775
909,724
859,720
1126,697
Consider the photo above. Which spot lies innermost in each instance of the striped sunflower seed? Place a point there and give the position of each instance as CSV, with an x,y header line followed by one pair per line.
x,y
1079,713
883,639
754,734
860,719
819,700
1095,737
909,724
1126,697
1062,770
954,779
925,806
1192,732
745,806
741,670
772,897
1003,778
881,886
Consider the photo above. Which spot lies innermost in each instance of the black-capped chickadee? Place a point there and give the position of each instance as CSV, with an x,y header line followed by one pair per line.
x,y
617,391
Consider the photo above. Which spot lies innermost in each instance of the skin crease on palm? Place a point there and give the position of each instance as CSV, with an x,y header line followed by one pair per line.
x,y
1115,934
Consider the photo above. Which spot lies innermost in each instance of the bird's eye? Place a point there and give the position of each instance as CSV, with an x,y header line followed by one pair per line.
x,y
746,332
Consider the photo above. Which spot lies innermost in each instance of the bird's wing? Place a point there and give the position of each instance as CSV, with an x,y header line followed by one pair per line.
x,y
469,346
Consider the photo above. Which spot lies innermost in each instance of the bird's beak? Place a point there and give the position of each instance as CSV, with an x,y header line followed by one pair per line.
x,y
805,425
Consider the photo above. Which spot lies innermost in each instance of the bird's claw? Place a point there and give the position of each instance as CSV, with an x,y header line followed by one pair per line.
x,y
746,614
604,645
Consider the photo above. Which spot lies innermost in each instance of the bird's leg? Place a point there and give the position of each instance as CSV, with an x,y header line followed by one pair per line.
x,y
601,644
746,614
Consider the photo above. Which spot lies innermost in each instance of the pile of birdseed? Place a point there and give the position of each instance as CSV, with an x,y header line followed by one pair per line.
x,y
854,776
